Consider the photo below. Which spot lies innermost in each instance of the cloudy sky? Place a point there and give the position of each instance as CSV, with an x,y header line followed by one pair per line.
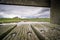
x,y
10,11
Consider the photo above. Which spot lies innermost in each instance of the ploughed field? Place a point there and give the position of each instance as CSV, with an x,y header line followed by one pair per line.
x,y
30,31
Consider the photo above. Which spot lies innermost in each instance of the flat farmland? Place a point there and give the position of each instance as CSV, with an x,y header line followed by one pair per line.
x,y
15,20
33,31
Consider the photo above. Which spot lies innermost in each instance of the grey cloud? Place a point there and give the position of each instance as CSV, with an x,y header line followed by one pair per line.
x,y
23,11
1,16
44,10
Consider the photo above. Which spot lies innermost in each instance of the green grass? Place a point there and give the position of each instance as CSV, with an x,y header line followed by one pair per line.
x,y
9,20
38,19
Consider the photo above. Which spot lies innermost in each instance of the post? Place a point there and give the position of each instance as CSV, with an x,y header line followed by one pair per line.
x,y
55,11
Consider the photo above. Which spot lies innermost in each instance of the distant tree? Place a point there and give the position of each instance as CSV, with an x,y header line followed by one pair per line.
x,y
16,17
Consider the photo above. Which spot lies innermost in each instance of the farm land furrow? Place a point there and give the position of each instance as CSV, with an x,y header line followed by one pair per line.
x,y
6,29
22,32
50,31
29,31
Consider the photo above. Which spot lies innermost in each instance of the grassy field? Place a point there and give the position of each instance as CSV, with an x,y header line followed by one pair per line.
x,y
39,19
9,20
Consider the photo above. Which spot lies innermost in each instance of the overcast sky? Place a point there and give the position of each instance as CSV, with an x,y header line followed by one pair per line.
x,y
10,11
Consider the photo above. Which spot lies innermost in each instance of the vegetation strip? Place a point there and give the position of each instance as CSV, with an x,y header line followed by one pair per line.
x,y
38,33
4,34
11,20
